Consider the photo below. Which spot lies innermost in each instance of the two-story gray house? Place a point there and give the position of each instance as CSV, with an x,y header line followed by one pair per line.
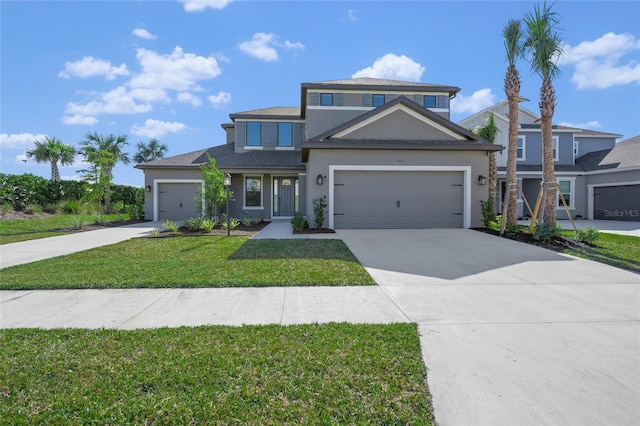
x,y
599,178
383,152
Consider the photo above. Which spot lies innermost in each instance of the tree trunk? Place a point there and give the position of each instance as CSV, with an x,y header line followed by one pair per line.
x,y
55,174
513,95
547,107
493,180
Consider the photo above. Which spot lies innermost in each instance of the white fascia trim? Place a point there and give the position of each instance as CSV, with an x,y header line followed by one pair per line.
x,y
605,171
341,108
258,147
591,187
156,183
285,148
272,120
466,205
378,92
391,110
521,129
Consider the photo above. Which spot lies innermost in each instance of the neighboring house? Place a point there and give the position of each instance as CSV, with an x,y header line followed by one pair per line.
x,y
384,154
598,178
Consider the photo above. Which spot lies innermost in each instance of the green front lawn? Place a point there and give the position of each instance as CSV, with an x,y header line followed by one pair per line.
x,y
15,230
303,374
204,261
622,251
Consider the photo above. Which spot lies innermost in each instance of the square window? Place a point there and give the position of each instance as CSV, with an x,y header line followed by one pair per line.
x,y
253,134
429,101
326,99
253,192
378,100
443,101
285,134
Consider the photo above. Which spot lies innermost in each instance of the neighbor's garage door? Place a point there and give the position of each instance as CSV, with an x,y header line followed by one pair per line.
x,y
390,199
178,201
617,202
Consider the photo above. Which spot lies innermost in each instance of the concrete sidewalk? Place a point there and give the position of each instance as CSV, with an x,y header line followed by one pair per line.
x,y
152,308
282,229
44,248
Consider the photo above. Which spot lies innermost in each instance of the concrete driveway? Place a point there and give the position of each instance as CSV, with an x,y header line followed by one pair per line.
x,y
513,334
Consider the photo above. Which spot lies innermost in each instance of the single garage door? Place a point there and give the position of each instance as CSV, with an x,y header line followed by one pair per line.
x,y
394,199
178,201
617,202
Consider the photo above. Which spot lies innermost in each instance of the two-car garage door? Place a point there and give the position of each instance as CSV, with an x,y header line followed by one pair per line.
x,y
398,199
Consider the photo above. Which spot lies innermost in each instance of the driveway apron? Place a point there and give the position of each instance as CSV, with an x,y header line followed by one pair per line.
x,y
512,334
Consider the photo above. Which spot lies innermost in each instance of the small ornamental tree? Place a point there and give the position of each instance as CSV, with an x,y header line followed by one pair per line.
x,y
320,211
98,179
213,191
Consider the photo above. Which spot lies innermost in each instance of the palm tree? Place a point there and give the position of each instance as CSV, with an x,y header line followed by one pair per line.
x,y
513,45
544,48
96,144
489,131
153,150
52,150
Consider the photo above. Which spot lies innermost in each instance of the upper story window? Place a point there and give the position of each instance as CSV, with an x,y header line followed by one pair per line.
x,y
575,149
253,134
430,101
285,134
326,99
377,100
433,101
555,150
520,152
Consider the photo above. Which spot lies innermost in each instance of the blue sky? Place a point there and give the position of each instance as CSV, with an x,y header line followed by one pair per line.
x,y
175,70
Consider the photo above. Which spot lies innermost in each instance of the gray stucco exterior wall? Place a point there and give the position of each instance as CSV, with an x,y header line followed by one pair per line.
x,y
321,159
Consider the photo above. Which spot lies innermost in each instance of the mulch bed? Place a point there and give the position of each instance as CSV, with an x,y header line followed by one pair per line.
x,y
557,243
241,230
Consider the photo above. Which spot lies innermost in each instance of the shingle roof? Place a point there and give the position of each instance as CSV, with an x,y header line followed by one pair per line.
x,y
624,154
379,84
227,158
272,112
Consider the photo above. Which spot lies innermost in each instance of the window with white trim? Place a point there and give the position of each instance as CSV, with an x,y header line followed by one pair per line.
x,y
253,192
253,133
520,151
555,142
285,134
566,188
575,149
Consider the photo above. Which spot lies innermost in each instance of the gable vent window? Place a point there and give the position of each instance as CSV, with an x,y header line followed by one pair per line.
x,y
430,101
326,99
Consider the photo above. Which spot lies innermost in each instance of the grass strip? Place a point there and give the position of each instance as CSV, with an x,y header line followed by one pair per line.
x,y
303,374
15,230
622,251
204,261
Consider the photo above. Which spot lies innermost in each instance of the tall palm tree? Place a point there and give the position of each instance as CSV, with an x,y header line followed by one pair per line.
x,y
52,150
514,48
96,144
489,131
153,150
544,48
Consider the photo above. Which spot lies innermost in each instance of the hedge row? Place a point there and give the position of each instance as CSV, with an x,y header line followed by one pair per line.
x,y
22,190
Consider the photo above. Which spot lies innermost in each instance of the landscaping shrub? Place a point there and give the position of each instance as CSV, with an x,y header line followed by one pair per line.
x,y
193,223
546,232
587,235
170,225
6,208
32,208
52,208
298,221
488,212
320,211
207,225
71,207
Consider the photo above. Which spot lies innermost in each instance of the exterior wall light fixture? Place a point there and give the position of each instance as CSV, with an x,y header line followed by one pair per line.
x,y
320,179
482,180
148,188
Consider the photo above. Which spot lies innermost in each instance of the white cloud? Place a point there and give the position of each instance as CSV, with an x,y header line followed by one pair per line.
x,y
116,101
479,100
90,66
393,67
79,119
157,129
263,46
588,125
352,15
201,5
175,71
603,63
142,33
20,140
150,95
188,98
21,158
220,99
